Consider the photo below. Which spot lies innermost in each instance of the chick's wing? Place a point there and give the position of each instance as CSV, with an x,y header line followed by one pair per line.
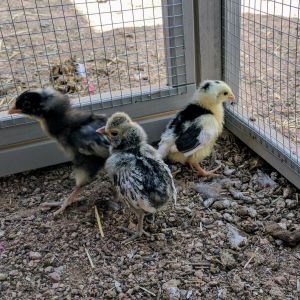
x,y
199,134
87,141
143,179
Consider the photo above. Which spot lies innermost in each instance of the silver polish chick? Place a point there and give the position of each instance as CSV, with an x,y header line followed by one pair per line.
x,y
191,135
73,129
143,181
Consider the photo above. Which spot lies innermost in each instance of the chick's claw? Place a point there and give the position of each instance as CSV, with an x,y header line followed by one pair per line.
x,y
134,235
51,204
202,172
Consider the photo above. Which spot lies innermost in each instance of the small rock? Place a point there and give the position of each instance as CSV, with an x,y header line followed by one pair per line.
x,y
198,274
189,294
48,269
118,286
3,276
171,287
228,260
286,192
209,202
31,263
249,226
48,259
246,211
281,280
236,284
252,212
238,195
276,292
221,204
161,236
290,216
14,273
222,293
59,269
227,217
35,255
280,203
283,224
183,294
54,276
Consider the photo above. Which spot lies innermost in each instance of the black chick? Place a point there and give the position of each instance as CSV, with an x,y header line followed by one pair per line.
x,y
74,130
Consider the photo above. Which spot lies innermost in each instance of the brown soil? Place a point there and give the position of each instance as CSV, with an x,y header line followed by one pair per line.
x,y
203,248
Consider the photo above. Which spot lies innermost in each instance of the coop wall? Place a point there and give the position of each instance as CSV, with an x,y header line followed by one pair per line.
x,y
261,63
134,56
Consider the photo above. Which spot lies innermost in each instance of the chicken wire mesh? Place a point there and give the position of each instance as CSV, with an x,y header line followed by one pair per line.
x,y
261,62
93,50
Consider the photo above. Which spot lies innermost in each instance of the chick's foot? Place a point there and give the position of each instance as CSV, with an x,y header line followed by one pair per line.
x,y
140,231
51,204
63,204
134,235
202,172
71,199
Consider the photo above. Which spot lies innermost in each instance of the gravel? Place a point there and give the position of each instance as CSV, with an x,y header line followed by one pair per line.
x,y
231,248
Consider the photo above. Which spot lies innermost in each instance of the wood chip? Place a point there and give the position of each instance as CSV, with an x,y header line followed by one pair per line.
x,y
147,291
250,259
89,258
99,222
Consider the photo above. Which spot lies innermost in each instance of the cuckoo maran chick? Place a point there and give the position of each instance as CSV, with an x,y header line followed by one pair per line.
x,y
191,135
74,130
143,181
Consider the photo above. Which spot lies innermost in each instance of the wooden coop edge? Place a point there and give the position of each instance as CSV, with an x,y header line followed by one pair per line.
x,y
45,152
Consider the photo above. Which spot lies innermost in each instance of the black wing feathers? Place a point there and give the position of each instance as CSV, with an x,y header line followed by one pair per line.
x,y
186,132
189,114
188,140
153,186
86,140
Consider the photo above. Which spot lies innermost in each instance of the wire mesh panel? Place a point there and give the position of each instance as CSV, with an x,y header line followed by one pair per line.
x,y
95,51
261,62
106,55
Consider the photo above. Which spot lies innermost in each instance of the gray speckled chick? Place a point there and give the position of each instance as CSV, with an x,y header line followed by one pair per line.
x,y
143,181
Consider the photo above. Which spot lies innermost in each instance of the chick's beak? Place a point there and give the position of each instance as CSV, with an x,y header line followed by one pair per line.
x,y
231,97
102,130
14,110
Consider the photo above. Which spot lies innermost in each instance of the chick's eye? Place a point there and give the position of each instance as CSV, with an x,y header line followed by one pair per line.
x,y
225,93
114,133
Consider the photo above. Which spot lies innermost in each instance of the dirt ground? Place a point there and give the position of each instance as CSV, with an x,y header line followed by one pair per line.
x,y
221,240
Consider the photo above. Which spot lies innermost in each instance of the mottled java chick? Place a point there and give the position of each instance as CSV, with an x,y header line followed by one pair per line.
x,y
74,130
143,181
191,135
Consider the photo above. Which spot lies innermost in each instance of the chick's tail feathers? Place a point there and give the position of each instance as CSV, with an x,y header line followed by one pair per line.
x,y
164,147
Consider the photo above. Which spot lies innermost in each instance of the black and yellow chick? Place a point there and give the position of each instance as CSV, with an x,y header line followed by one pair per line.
x,y
141,178
191,135
74,130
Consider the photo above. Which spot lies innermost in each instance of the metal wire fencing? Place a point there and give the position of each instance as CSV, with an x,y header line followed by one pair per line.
x,y
261,45
93,50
